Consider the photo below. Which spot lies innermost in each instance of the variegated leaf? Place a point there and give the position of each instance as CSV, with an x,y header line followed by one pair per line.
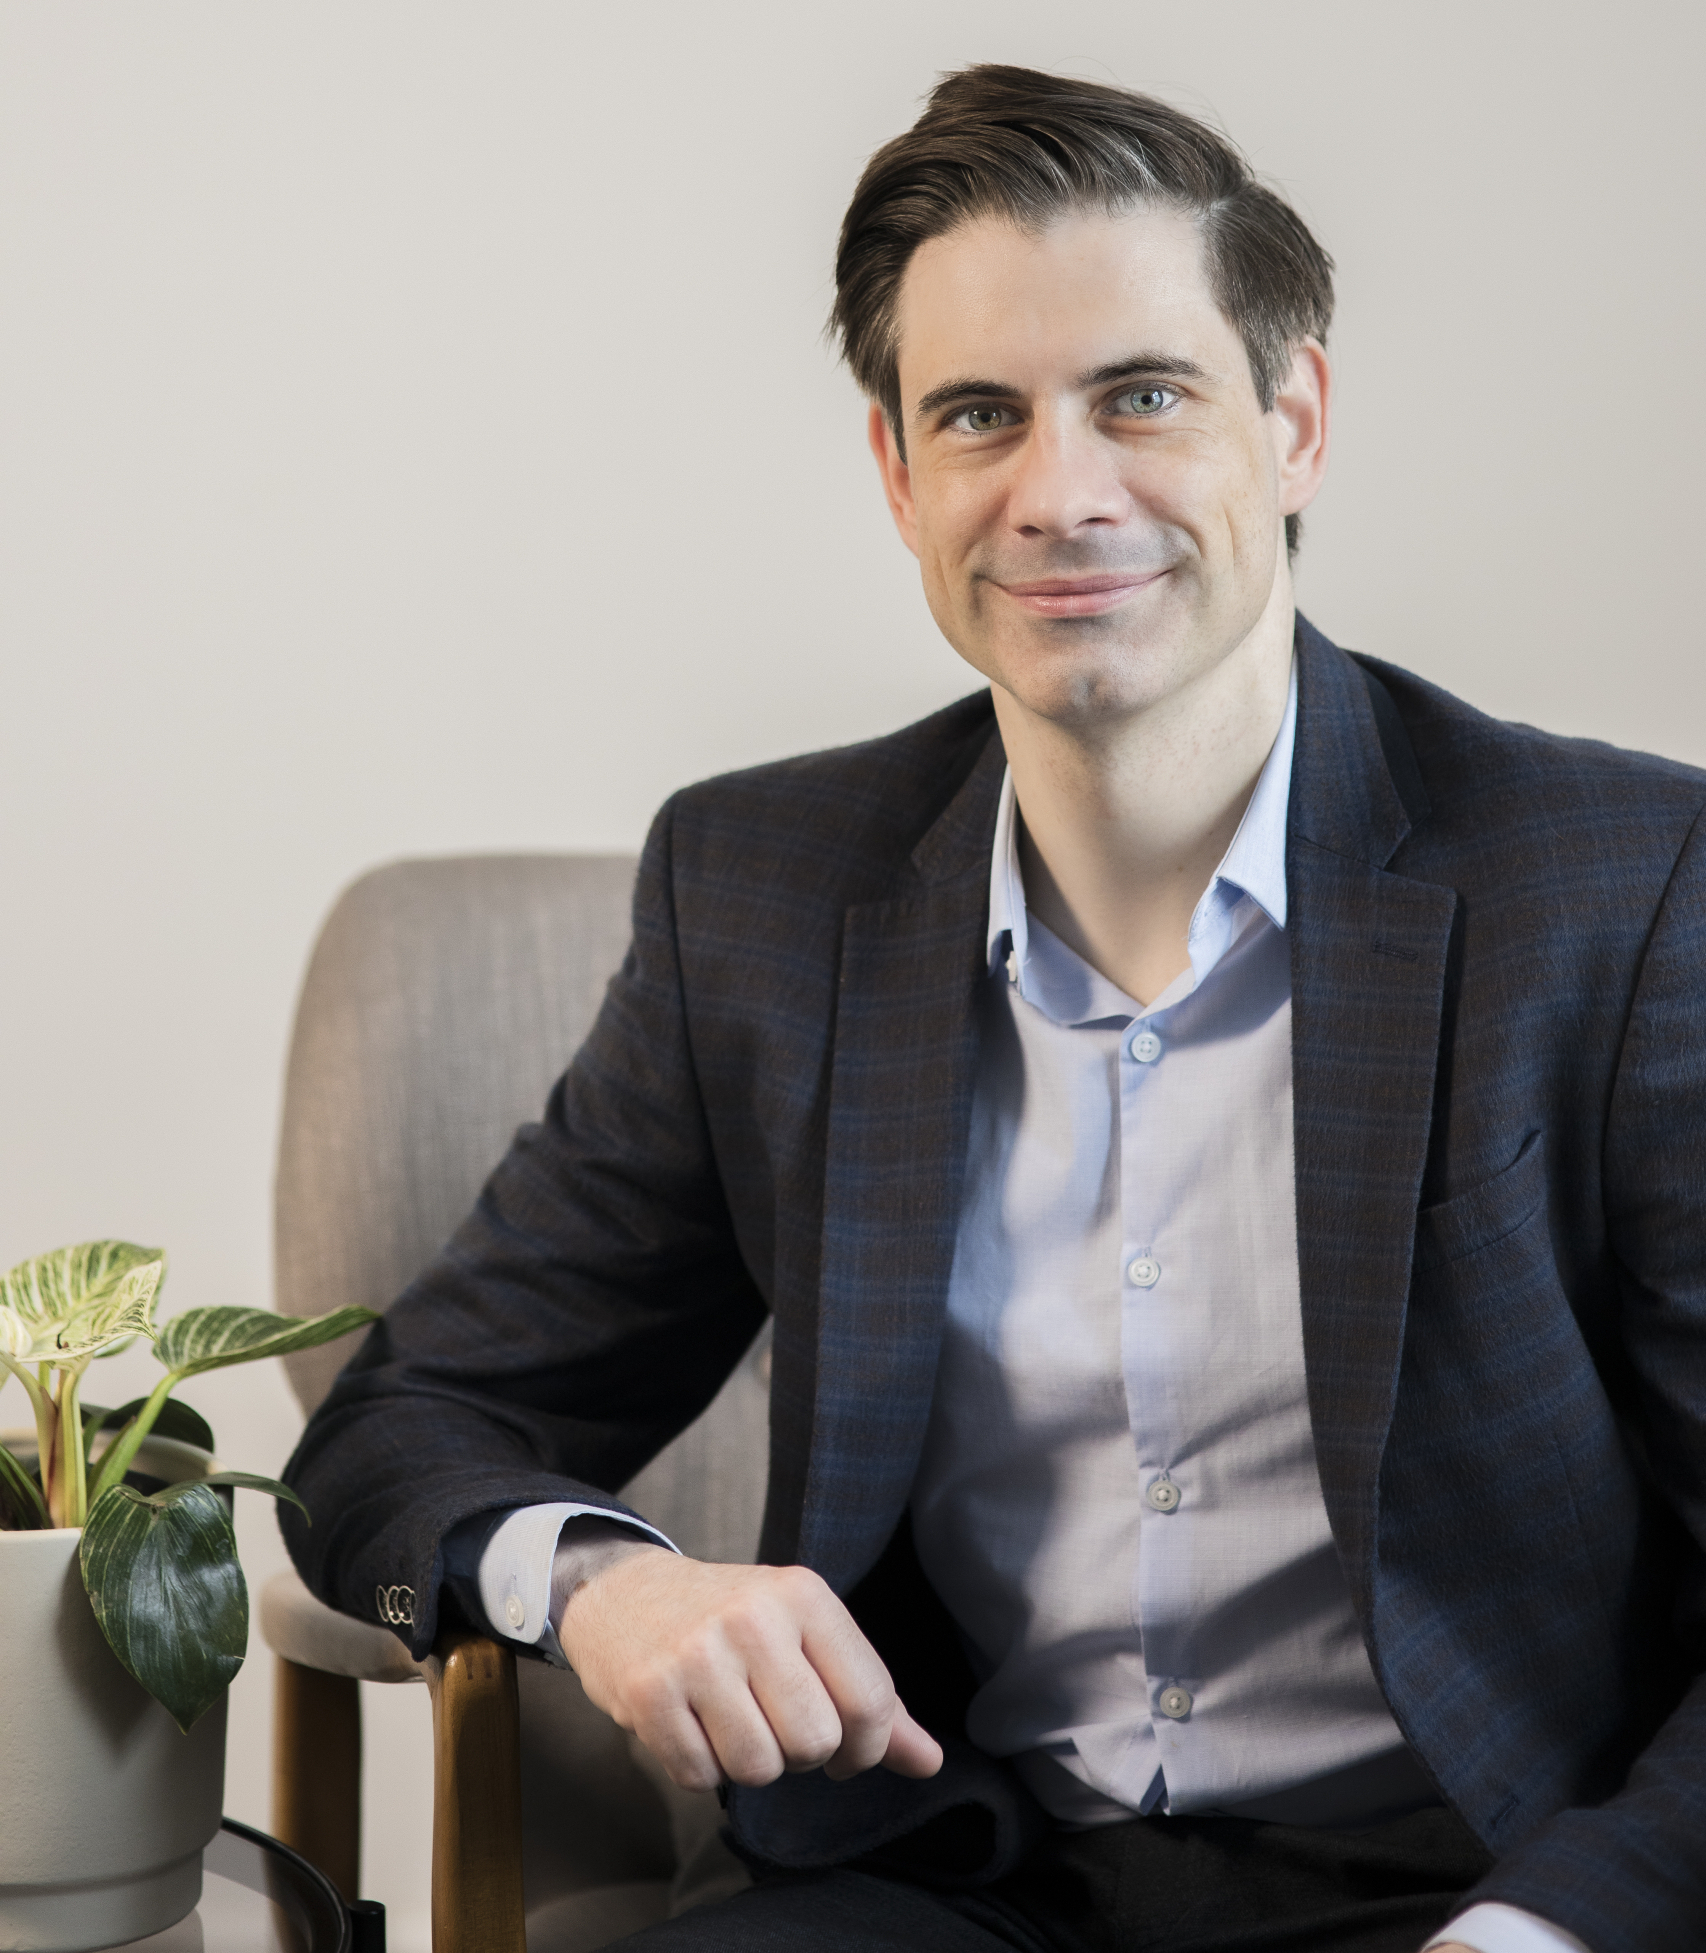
x,y
76,1302
209,1339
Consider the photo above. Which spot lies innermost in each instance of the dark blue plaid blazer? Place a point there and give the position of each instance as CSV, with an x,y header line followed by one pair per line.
x,y
1498,945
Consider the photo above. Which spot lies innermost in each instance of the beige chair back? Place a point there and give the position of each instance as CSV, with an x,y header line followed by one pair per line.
x,y
442,1001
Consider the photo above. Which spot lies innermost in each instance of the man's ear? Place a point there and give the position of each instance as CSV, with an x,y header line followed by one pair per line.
x,y
1302,424
897,476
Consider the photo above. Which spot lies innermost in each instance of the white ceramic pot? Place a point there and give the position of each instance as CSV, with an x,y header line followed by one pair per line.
x,y
105,1804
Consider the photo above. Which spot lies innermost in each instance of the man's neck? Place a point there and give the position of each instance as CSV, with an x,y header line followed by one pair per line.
x,y
1121,828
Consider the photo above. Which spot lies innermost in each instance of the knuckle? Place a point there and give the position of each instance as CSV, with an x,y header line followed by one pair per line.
x,y
802,1581
650,1695
870,1705
811,1749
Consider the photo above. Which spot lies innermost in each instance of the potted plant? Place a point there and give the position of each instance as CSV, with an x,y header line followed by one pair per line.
x,y
123,1610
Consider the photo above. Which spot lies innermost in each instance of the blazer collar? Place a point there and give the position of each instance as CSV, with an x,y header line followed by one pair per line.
x,y
959,841
1356,789
900,1088
1370,951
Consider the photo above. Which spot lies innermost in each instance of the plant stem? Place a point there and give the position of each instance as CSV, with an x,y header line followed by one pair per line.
x,y
124,1447
42,1405
71,1475
21,1372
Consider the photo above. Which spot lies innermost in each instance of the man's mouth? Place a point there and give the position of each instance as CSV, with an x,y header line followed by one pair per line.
x,y
1080,596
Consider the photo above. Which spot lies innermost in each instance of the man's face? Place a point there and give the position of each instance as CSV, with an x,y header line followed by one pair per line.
x,y
1091,487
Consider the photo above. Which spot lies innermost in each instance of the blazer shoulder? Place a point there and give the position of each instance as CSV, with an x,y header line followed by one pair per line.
x,y
840,823
1565,799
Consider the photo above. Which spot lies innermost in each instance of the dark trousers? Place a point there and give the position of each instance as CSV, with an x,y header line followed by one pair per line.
x,y
1153,1885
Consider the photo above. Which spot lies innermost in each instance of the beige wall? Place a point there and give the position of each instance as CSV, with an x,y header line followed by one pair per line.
x,y
415,436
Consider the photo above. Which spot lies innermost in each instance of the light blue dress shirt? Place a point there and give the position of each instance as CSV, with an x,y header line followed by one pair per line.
x,y
1118,1499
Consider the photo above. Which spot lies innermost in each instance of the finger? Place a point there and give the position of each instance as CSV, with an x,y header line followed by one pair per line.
x,y
912,1750
858,1685
797,1706
678,1740
739,1734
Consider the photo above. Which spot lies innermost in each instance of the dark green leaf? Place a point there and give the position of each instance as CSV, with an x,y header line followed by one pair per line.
x,y
21,1505
209,1339
175,1421
170,1494
163,1579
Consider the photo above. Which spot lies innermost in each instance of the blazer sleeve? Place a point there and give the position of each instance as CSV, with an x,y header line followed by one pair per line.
x,y
1630,1874
586,1311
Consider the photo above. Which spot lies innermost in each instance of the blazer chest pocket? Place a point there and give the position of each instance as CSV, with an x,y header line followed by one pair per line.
x,y
1484,1215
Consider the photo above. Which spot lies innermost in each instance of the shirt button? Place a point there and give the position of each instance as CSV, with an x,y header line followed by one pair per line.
x,y
1146,1047
1164,1495
515,1610
1144,1273
1175,1702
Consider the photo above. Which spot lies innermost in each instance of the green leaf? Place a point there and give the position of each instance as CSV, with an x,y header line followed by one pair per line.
x,y
209,1339
72,1304
174,1421
22,1508
170,1494
163,1579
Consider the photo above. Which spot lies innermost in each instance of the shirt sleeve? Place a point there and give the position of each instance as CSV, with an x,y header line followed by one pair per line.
x,y
1506,1929
533,1551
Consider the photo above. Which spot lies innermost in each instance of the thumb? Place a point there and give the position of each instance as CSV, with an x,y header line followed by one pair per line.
x,y
912,1750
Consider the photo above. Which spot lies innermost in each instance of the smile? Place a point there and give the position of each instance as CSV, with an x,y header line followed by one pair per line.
x,y
1079,596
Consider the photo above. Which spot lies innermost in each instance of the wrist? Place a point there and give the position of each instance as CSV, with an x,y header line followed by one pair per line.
x,y
582,1560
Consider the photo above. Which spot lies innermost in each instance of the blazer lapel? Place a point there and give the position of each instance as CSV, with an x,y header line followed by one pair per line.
x,y
900,1105
1368,964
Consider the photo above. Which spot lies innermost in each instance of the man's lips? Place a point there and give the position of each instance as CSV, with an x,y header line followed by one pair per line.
x,y
1080,596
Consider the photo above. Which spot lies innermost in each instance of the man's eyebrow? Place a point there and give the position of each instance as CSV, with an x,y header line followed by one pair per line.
x,y
952,391
1143,366
1136,366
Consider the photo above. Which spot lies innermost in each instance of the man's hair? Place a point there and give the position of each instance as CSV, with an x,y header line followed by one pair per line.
x,y
996,141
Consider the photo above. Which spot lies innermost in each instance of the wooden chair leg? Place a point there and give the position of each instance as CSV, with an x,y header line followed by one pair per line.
x,y
476,1825
316,1781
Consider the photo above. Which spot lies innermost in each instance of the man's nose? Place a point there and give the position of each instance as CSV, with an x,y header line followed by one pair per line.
x,y
1065,480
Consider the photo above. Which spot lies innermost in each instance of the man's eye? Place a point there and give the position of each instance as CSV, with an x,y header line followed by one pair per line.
x,y
984,420
1144,401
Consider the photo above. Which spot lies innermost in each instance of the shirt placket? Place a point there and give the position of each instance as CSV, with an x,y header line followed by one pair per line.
x,y
1153,1330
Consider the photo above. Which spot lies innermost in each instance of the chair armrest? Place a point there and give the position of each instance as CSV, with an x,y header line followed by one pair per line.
x,y
311,1634
477,1902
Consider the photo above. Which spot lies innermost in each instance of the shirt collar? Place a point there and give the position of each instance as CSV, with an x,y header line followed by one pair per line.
x,y
1253,865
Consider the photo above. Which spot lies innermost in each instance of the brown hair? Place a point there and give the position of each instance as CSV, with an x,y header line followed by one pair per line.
x,y
1015,143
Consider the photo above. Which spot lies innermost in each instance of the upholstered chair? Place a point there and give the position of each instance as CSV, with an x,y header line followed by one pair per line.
x,y
442,999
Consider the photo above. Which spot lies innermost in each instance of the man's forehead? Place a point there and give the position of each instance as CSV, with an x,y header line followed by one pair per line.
x,y
1073,297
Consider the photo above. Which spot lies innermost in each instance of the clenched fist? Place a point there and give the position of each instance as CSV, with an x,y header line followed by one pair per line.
x,y
734,1672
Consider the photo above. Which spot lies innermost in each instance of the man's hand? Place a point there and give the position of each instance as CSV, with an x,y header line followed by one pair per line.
x,y
736,1672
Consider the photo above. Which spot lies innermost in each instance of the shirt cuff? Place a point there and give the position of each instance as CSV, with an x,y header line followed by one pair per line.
x,y
515,1569
1506,1929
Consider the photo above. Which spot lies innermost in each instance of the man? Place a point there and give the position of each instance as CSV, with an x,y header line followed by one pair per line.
x,y
1214,1123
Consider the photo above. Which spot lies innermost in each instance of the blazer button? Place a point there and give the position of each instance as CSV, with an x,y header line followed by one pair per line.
x,y
1175,1702
1164,1495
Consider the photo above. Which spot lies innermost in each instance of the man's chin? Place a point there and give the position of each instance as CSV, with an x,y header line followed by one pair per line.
x,y
1082,677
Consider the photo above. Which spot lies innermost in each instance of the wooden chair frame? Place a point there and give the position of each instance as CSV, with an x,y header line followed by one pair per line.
x,y
477,1902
